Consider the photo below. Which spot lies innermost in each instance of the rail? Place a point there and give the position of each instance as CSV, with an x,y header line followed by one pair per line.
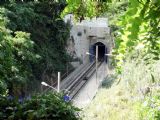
x,y
74,84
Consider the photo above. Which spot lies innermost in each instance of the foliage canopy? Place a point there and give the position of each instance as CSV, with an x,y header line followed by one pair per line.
x,y
32,39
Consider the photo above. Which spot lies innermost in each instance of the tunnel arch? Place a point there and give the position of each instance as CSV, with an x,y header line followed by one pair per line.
x,y
102,50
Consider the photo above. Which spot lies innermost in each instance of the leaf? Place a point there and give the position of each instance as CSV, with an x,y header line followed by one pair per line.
x,y
130,44
153,79
28,111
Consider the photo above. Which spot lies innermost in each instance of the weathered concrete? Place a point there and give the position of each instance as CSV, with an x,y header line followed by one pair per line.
x,y
86,34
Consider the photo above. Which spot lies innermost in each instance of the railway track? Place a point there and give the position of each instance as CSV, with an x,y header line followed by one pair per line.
x,y
79,78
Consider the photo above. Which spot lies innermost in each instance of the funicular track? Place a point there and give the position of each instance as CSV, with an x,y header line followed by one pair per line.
x,y
74,82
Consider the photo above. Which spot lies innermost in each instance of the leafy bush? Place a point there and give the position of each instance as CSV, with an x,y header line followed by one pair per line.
x,y
3,88
139,30
32,44
40,107
48,31
149,109
16,55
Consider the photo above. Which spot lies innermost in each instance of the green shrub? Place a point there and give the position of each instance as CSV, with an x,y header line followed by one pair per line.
x,y
3,88
16,57
47,106
149,109
32,44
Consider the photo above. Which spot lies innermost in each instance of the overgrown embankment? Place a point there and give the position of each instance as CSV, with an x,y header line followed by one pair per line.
x,y
133,95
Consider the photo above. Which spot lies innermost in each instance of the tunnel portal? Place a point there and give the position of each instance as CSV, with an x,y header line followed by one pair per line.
x,y
102,50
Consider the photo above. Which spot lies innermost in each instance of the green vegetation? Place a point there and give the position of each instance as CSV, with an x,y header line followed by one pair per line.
x,y
139,30
32,48
149,109
131,95
32,44
46,106
84,9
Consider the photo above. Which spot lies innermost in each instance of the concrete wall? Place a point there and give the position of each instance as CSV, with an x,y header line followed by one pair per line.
x,y
88,33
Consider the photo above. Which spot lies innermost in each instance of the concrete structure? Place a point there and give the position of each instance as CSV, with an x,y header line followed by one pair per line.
x,y
86,35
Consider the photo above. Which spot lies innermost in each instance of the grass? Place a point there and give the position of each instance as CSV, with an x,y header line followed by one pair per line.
x,y
119,96
111,104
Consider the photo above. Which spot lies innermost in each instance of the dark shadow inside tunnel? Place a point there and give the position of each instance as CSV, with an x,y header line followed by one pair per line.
x,y
102,50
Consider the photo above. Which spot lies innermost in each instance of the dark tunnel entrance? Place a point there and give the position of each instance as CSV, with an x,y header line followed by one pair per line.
x,y
102,50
